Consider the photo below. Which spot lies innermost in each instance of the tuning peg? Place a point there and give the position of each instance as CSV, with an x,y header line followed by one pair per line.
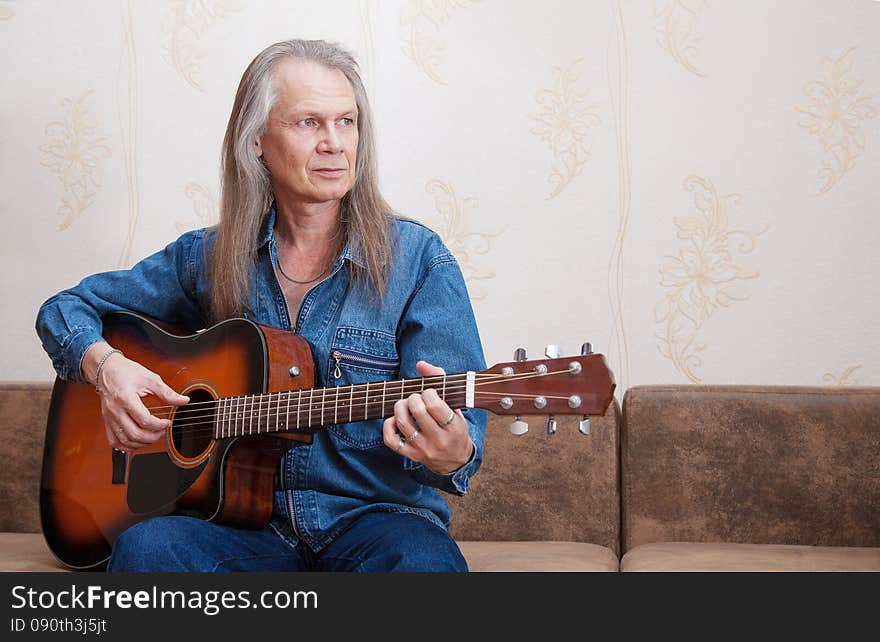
x,y
552,351
519,354
518,427
584,426
551,425
587,348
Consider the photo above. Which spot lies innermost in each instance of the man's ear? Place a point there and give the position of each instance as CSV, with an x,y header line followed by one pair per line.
x,y
259,145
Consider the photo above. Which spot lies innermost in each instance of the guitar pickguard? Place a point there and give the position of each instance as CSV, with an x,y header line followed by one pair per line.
x,y
155,482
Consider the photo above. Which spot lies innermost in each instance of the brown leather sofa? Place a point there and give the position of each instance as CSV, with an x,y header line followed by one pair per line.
x,y
746,478
683,478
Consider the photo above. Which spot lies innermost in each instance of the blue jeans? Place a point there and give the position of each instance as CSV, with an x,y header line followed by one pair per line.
x,y
376,542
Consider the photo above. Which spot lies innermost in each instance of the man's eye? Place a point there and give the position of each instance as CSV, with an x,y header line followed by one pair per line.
x,y
346,121
308,122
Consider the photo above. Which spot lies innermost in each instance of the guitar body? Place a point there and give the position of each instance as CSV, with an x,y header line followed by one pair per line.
x,y
90,493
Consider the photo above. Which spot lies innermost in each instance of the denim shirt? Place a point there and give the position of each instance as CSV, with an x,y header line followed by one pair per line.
x,y
346,470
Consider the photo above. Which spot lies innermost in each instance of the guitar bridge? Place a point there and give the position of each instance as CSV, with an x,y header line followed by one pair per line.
x,y
120,465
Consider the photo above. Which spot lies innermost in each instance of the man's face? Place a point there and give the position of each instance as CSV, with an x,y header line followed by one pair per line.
x,y
310,144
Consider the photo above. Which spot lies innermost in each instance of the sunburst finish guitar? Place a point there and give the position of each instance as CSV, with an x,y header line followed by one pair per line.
x,y
251,391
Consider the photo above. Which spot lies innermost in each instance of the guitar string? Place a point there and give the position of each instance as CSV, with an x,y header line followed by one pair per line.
x,y
266,397
260,429
261,412
240,407
356,386
483,377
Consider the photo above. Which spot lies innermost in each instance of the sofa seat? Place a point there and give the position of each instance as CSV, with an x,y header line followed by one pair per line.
x,y
542,556
725,557
27,552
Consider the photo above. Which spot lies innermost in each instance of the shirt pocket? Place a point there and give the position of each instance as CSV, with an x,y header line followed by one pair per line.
x,y
359,357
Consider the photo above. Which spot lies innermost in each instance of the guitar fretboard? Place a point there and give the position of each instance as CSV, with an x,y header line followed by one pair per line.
x,y
308,410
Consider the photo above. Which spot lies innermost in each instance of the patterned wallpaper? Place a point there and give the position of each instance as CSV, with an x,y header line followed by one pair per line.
x,y
690,185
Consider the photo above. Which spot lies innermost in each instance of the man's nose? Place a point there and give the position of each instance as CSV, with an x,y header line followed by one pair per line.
x,y
330,141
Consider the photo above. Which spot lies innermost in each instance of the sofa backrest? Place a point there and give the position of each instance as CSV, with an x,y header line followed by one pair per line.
x,y
23,410
762,465
536,487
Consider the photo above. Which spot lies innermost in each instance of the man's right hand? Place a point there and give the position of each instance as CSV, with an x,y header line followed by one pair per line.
x,y
123,383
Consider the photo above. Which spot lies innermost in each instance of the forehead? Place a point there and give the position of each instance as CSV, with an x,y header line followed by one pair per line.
x,y
310,86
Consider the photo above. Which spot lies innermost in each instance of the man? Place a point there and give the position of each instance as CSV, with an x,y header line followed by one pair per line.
x,y
305,243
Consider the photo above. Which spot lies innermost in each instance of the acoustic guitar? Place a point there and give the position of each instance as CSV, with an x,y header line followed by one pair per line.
x,y
251,391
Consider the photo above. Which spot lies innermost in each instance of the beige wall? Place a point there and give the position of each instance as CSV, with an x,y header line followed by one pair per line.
x,y
690,185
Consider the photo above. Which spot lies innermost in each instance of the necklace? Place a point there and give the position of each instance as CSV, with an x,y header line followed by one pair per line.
x,y
291,279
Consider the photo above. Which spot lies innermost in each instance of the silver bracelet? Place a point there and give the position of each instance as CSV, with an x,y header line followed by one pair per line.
x,y
101,365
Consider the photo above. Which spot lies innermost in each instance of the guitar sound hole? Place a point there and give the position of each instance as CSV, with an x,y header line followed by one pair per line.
x,y
193,427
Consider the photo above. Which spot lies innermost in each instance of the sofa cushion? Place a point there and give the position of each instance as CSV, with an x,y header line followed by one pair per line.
x,y
26,552
533,557
748,464
693,556
538,487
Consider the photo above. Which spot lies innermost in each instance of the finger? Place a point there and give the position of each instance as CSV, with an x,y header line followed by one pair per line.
x,y
402,417
131,405
393,440
167,394
133,436
418,409
144,418
113,438
439,410
429,370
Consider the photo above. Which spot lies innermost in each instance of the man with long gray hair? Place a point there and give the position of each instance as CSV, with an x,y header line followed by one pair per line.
x,y
305,243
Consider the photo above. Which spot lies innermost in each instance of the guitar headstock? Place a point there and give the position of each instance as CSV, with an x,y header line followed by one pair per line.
x,y
576,385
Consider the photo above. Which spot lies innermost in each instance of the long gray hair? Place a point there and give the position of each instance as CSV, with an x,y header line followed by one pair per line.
x,y
246,189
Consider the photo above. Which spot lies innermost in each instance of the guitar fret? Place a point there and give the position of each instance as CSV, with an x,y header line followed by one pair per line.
x,y
235,416
366,400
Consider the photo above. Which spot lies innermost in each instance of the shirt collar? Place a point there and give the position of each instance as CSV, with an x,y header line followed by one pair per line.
x,y
267,233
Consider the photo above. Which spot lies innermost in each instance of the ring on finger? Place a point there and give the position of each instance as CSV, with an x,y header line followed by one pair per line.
x,y
447,421
401,444
413,436
119,431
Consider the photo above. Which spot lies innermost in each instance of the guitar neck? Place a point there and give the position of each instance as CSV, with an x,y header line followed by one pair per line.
x,y
308,410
